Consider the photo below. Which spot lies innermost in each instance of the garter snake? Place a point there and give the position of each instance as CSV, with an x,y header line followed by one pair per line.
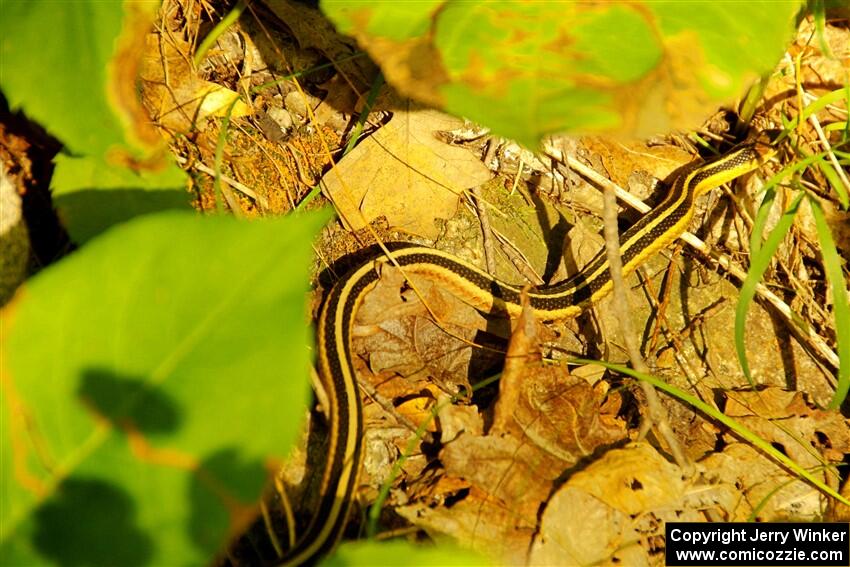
x,y
654,231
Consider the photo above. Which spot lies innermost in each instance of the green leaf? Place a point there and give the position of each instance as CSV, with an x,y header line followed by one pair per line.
x,y
62,63
91,195
729,43
759,261
840,302
150,381
400,552
527,69
85,94
407,20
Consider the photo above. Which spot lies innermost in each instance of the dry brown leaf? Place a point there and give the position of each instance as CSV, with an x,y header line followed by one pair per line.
x,y
822,71
476,521
632,480
560,414
622,159
564,416
405,173
579,529
523,349
506,469
612,511
313,30
554,422
765,491
808,435
456,420
496,512
174,95
399,333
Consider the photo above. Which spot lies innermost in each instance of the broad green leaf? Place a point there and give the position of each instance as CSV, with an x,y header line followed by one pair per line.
x,y
401,553
728,43
527,69
84,93
150,382
66,65
91,195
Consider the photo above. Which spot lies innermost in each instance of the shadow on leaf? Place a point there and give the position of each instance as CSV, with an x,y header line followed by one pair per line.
x,y
129,401
89,212
223,498
91,522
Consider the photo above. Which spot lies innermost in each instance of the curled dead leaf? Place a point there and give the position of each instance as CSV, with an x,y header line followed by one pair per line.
x,y
174,96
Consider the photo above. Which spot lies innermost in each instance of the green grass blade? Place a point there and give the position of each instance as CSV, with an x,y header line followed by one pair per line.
x,y
729,422
835,126
798,165
400,552
217,31
818,105
841,307
819,15
374,513
759,261
761,220
832,176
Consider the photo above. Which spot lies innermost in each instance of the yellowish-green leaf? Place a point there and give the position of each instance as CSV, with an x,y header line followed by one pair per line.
x,y
527,69
367,553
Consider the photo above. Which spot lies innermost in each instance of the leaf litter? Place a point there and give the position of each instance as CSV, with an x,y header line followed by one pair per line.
x,y
549,464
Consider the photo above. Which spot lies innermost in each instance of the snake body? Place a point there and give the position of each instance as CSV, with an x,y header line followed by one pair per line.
x,y
658,228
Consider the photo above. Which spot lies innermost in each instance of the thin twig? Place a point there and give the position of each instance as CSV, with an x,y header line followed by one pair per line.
x,y
656,411
519,261
486,231
247,191
826,145
663,326
803,333
388,406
